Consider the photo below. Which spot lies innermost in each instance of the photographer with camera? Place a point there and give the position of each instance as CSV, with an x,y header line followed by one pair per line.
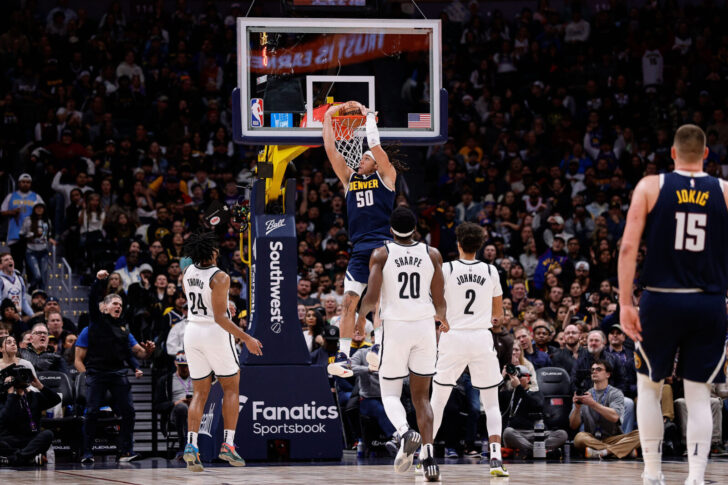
x,y
522,407
104,350
173,397
21,440
600,409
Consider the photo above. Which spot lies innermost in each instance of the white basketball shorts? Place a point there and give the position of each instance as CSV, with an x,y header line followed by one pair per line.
x,y
209,348
408,346
473,349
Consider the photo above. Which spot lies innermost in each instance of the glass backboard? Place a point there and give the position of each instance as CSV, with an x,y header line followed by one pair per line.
x,y
290,70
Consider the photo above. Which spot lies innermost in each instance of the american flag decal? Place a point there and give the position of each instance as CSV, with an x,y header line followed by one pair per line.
x,y
419,120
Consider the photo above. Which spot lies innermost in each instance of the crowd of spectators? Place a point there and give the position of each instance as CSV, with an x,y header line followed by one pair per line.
x,y
115,136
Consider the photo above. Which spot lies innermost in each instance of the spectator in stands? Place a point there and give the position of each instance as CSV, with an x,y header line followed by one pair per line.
x,y
39,354
313,330
522,407
52,305
9,349
536,357
104,350
22,442
304,293
16,207
599,410
11,317
38,233
12,285
518,359
173,396
54,323
626,358
370,397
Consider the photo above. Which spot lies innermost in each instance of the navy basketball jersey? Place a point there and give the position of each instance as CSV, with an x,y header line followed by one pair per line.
x,y
369,204
687,235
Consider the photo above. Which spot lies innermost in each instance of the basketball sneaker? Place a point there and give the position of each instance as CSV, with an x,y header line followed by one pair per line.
x,y
497,469
653,481
373,356
451,453
392,446
409,443
192,458
430,469
341,366
231,456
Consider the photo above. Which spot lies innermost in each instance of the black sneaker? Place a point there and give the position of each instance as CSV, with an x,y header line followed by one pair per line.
x,y
392,446
430,469
409,443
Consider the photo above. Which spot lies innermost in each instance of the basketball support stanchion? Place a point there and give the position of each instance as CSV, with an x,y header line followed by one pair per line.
x,y
286,408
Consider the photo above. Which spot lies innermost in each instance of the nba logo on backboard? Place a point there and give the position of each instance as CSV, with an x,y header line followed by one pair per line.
x,y
256,112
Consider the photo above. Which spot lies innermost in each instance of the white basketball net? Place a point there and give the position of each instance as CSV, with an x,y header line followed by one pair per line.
x,y
349,132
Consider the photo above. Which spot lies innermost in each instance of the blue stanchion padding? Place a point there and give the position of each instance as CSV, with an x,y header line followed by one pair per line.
x,y
281,407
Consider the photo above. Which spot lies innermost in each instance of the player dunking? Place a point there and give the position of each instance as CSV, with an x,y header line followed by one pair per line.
x,y
474,296
210,346
370,193
684,216
408,275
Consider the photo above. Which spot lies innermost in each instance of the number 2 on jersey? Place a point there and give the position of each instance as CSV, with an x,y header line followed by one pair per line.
x,y
470,296
198,306
690,231
364,198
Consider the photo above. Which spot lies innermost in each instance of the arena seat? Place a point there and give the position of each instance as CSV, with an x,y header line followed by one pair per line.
x,y
66,428
555,385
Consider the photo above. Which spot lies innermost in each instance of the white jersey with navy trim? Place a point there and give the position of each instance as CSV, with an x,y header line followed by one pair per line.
x,y
199,293
470,286
406,279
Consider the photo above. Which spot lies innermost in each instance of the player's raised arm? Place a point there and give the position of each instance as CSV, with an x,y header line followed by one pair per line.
x,y
636,219
220,285
384,166
337,159
437,289
374,288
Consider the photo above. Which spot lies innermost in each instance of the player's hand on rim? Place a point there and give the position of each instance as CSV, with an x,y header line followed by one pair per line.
x,y
630,321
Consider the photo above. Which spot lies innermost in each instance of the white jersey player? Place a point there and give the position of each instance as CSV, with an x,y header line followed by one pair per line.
x,y
408,275
210,346
474,295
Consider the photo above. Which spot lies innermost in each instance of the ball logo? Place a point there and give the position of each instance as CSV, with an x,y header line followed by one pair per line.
x,y
276,327
215,221
637,361
273,224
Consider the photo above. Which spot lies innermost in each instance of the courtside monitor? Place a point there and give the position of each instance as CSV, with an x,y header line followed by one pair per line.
x,y
291,70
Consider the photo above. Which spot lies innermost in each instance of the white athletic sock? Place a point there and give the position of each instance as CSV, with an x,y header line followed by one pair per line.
x,y
426,451
699,429
345,345
192,438
378,335
229,435
652,428
438,401
495,451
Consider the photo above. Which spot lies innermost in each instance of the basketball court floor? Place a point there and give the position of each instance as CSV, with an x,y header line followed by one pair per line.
x,y
352,471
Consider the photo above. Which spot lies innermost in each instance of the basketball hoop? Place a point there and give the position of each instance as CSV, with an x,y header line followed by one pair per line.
x,y
349,131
